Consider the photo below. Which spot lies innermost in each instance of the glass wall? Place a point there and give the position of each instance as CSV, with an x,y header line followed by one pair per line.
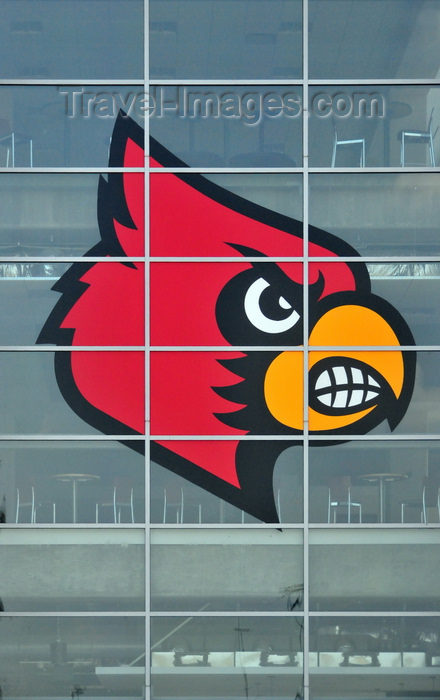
x,y
219,349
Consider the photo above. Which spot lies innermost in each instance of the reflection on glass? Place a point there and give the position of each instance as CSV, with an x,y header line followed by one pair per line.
x,y
423,416
374,657
374,570
385,39
411,288
240,127
31,402
49,570
65,482
52,126
374,482
176,500
68,657
226,40
382,121
73,39
384,214
202,655
188,570
27,299
48,215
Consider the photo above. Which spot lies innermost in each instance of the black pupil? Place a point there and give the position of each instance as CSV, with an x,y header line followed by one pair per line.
x,y
270,304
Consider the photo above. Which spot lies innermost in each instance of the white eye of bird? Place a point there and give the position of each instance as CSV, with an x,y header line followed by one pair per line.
x,y
258,318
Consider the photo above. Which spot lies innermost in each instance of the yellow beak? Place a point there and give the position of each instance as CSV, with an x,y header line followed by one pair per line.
x,y
346,385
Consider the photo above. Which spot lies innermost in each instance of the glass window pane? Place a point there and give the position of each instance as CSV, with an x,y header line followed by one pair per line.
x,y
72,39
188,567
94,302
45,570
386,214
279,193
368,569
200,229
228,311
373,125
49,126
234,656
177,375
423,416
399,480
413,289
373,39
208,39
410,287
357,392
57,656
48,214
27,299
174,499
240,127
65,482
370,657
31,402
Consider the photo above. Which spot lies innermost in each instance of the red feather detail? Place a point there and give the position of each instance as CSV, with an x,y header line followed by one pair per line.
x,y
215,456
185,222
111,310
111,382
182,399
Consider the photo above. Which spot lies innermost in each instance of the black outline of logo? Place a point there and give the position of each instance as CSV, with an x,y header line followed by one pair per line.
x,y
256,493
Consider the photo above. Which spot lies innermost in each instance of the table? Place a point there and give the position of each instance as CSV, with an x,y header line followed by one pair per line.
x,y
382,478
74,479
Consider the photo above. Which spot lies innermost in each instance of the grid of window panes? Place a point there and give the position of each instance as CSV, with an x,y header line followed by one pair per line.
x,y
120,578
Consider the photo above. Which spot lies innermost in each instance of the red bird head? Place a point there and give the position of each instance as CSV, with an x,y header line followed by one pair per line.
x,y
229,330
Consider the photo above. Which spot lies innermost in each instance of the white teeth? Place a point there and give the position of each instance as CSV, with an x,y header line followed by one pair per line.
x,y
326,399
356,398
323,380
340,375
346,387
341,399
358,377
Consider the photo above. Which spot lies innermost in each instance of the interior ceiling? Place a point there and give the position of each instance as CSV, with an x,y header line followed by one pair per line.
x,y
232,38
373,38
361,38
79,39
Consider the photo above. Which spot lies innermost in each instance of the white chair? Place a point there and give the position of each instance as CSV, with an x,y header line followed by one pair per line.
x,y
357,142
429,501
120,498
27,501
424,137
339,497
11,141
123,499
173,499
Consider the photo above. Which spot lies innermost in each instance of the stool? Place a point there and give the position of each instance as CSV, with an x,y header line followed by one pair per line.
x,y
11,141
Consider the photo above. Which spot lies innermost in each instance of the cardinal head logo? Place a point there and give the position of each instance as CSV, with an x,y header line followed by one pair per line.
x,y
227,365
